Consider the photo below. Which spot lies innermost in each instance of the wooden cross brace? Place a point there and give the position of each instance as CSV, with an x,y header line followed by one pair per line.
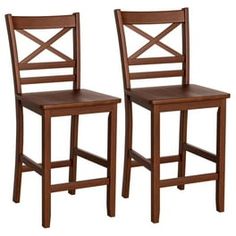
x,y
45,45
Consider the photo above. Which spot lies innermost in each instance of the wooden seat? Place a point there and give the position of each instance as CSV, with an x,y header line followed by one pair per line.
x,y
166,98
39,101
174,94
49,104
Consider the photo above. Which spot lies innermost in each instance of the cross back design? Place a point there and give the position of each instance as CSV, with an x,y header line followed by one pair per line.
x,y
154,40
44,45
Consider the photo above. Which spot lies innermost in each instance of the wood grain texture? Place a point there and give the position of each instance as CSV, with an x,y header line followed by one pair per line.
x,y
42,22
176,94
66,99
155,17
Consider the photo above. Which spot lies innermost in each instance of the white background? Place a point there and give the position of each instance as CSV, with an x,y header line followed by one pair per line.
x,y
189,212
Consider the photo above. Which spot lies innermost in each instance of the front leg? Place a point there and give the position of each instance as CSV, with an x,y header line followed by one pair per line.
x,y
46,166
111,156
155,164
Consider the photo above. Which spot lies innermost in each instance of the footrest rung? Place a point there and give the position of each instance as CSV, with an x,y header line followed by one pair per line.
x,y
31,165
79,184
201,152
188,179
92,157
140,160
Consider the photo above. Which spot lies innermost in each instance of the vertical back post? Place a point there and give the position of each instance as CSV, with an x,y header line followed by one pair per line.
x,y
185,31
76,38
14,54
123,50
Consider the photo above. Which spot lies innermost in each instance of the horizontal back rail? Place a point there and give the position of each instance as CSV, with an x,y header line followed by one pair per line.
x,y
43,22
156,74
46,65
158,17
47,79
155,60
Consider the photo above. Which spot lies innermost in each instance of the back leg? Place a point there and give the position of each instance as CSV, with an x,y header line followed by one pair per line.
x,y
73,146
128,146
19,152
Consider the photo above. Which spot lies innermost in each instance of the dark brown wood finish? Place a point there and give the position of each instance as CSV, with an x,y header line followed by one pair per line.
x,y
19,151
155,164
73,102
181,98
128,147
46,168
73,147
182,141
111,161
220,153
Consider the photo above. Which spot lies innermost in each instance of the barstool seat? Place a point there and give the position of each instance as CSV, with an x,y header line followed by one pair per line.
x,y
174,94
65,99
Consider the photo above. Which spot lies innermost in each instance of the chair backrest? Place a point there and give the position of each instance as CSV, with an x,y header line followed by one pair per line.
x,y
25,26
133,20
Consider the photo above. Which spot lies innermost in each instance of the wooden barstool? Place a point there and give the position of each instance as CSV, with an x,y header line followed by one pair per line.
x,y
58,103
167,98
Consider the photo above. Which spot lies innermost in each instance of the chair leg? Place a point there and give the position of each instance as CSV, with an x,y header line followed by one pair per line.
x,y
46,166
128,146
220,165
182,141
111,157
155,164
19,151
73,146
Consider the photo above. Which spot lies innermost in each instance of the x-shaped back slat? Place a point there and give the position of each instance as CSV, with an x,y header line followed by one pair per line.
x,y
45,45
40,42
155,40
